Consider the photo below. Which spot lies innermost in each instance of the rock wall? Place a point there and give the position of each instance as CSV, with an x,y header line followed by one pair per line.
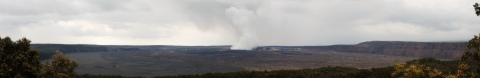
x,y
445,50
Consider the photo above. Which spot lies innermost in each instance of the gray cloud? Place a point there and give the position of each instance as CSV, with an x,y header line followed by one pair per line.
x,y
206,22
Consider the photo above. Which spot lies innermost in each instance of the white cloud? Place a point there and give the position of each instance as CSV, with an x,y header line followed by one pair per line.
x,y
205,22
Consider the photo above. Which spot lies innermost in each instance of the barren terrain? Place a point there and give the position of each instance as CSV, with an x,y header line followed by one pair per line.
x,y
172,63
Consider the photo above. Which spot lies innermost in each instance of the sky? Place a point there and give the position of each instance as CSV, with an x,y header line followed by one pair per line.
x,y
241,23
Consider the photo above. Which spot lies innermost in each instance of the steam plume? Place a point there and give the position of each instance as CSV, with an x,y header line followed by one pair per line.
x,y
243,21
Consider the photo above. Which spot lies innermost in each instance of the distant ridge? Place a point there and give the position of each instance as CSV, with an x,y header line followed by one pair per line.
x,y
443,50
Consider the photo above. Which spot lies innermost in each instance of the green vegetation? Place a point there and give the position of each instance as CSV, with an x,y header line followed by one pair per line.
x,y
61,67
471,59
477,9
426,68
17,60
468,67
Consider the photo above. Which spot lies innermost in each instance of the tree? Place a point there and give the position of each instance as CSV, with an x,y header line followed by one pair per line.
x,y
61,67
17,60
415,71
474,44
472,56
477,9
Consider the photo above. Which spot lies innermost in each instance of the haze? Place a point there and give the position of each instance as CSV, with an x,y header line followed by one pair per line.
x,y
243,24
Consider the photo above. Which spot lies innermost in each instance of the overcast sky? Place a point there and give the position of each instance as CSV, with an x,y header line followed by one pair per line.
x,y
242,22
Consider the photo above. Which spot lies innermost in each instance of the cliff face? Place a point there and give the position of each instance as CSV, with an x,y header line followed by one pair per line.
x,y
68,48
446,50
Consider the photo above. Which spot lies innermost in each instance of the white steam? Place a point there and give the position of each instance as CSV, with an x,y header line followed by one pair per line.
x,y
243,21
